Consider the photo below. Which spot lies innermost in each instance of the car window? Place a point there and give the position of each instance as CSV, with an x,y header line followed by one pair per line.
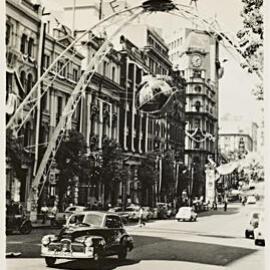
x,y
93,219
71,209
76,219
113,222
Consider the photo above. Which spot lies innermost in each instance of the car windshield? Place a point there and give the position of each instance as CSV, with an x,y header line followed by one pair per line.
x,y
90,219
185,210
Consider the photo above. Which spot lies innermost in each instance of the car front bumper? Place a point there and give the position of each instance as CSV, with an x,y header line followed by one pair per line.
x,y
88,253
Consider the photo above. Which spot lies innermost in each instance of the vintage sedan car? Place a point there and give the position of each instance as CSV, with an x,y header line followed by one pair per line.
x,y
88,235
186,214
61,217
253,224
122,214
251,199
259,232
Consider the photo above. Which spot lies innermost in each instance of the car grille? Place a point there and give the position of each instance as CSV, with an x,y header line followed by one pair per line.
x,y
65,245
77,247
55,247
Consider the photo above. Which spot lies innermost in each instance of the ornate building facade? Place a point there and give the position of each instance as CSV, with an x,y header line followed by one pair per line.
x,y
195,54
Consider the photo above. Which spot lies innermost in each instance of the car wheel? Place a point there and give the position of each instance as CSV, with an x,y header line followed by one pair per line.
x,y
123,253
178,219
247,234
50,261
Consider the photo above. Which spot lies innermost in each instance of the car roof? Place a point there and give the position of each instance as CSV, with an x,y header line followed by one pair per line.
x,y
185,208
98,213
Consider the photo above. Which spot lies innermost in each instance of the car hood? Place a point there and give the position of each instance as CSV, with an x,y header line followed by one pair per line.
x,y
75,232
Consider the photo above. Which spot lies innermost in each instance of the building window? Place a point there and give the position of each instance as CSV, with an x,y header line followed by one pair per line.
x,y
198,88
46,61
8,82
113,73
104,68
197,73
75,74
197,106
8,33
196,123
59,108
23,43
23,79
30,47
29,82
61,69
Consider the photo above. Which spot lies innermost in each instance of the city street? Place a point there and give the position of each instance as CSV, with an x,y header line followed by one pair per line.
x,y
215,241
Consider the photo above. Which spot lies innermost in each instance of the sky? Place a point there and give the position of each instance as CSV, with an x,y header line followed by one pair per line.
x,y
235,92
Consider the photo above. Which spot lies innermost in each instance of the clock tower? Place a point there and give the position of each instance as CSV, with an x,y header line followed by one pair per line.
x,y
197,58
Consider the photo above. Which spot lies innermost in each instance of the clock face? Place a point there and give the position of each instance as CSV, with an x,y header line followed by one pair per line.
x,y
196,60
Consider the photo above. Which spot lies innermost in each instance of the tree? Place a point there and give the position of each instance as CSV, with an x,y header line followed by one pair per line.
x,y
71,160
111,167
251,38
16,153
147,174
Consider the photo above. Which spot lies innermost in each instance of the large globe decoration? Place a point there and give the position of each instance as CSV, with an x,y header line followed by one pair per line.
x,y
154,94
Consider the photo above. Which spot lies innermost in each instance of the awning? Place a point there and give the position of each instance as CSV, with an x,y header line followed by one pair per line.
x,y
227,168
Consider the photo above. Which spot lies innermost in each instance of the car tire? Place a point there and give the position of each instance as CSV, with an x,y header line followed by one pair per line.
x,y
246,234
178,219
122,255
50,261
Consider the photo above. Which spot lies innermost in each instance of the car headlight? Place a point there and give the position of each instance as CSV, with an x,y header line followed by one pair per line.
x,y
47,239
88,242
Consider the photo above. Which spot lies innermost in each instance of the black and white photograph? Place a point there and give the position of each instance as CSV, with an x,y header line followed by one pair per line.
x,y
135,135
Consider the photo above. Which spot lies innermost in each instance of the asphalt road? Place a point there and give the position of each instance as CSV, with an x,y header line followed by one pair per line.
x,y
216,241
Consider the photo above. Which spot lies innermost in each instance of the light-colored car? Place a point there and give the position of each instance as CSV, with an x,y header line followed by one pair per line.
x,y
61,217
186,214
251,199
253,223
133,212
147,213
259,238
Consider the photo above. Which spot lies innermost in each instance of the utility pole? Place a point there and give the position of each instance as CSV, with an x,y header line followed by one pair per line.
x,y
73,18
100,9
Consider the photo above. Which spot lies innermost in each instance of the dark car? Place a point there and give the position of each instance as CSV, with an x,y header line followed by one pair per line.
x,y
88,235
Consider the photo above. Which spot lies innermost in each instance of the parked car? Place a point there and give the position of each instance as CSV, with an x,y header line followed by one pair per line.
x,y
186,214
133,212
251,184
61,217
259,238
118,210
147,213
253,223
251,199
87,235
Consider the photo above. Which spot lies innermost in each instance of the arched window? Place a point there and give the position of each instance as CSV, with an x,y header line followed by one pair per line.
x,y
29,82
198,88
197,106
23,79
30,47
23,44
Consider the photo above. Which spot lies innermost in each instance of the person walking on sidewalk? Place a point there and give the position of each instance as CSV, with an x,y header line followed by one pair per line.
x,y
141,221
44,212
225,203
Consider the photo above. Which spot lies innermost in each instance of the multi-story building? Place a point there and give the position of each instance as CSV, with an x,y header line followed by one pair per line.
x,y
142,133
23,41
196,54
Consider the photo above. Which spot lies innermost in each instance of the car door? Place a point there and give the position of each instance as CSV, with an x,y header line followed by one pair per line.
x,y
114,227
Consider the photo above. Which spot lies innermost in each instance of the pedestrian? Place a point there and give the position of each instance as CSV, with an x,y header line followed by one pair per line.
x,y
225,204
140,220
44,212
